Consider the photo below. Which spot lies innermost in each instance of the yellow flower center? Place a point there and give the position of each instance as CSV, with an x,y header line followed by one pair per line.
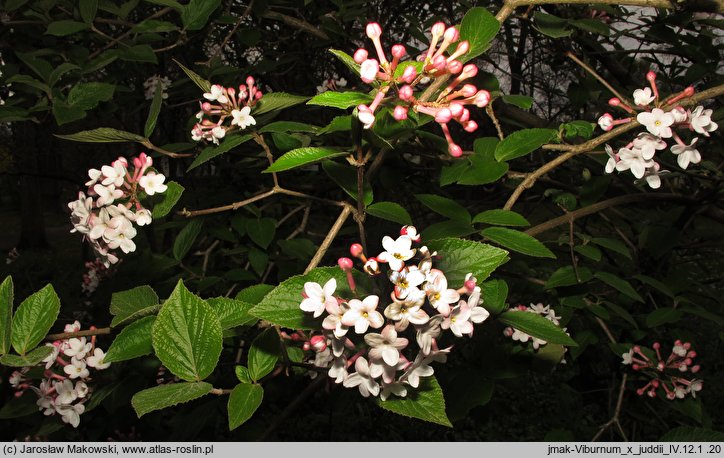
x,y
398,256
657,122
365,314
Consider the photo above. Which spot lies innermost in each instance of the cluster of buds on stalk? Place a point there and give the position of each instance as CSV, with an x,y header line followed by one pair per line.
x,y
149,86
543,310
666,374
367,344
96,271
225,104
661,116
107,214
64,387
331,84
398,81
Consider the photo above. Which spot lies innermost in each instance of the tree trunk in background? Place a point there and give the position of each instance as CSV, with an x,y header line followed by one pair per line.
x,y
27,142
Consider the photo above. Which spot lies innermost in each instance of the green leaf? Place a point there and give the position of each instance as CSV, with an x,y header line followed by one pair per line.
x,y
692,434
153,111
501,218
472,389
19,407
65,113
444,206
459,257
103,135
524,102
274,101
34,318
341,100
551,25
566,276
186,238
613,245
536,326
591,25
160,397
31,359
620,284
170,198
263,354
61,70
254,294
211,152
447,229
346,177
589,251
517,241
288,126
390,211
133,341
281,305
6,314
29,81
261,230
154,26
196,14
494,294
65,28
482,171
478,27
138,53
338,124
425,403
203,84
346,59
243,402
132,304
303,156
663,315
10,114
88,95
654,283
242,373
522,142
172,3
232,312
450,174
41,67
88,9
187,335
573,129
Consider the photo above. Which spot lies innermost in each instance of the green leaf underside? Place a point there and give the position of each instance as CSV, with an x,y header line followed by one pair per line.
x,y
132,342
163,396
34,318
457,257
243,402
536,326
187,335
425,403
341,100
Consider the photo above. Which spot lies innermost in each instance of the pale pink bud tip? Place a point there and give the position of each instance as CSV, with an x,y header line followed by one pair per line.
x,y
345,263
468,90
471,126
409,75
469,71
398,51
455,150
443,116
463,47
651,76
373,30
368,70
455,67
614,102
451,34
456,109
319,343
400,113
406,91
438,28
689,91
355,250
470,285
360,55
250,80
656,345
306,346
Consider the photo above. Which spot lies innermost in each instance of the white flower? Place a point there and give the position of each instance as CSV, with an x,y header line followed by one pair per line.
x,y
627,357
107,194
396,251
680,114
439,295
333,321
96,361
419,368
242,118
386,346
396,388
94,176
700,120
319,298
216,93
338,369
66,392
459,320
477,314
632,159
77,347
50,359
72,327
612,159
143,217
643,97
71,414
695,386
81,389
407,311
653,176
429,331
217,133
605,122
657,122
368,70
15,379
76,369
406,282
150,86
362,314
648,145
686,154
364,378
120,234
679,350
115,174
365,116
152,183
80,215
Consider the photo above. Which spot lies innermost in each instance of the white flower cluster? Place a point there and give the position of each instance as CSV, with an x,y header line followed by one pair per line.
x,y
149,86
422,307
661,120
96,271
106,216
543,310
332,84
64,388
227,104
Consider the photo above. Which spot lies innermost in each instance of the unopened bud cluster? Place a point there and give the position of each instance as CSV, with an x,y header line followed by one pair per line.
x,y
420,309
661,117
64,387
397,82
107,214
224,110
666,374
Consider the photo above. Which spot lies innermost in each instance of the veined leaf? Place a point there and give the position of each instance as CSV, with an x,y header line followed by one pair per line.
x,y
162,396
34,318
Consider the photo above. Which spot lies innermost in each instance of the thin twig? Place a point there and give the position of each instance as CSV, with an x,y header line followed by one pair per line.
x,y
158,13
259,139
346,211
86,333
231,33
147,143
616,414
491,114
600,79
509,6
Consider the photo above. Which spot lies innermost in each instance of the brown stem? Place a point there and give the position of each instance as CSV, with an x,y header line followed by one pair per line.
x,y
220,392
158,13
231,33
491,114
300,24
346,211
86,333
259,139
147,143
600,79
509,6
223,208
616,414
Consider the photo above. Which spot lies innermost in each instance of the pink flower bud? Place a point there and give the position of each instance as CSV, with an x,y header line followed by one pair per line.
x,y
360,55
695,369
355,250
614,102
373,30
470,285
306,346
471,126
455,150
345,263
640,391
438,29
439,63
455,67
443,116
368,70
689,91
656,345
691,354
635,367
456,109
405,92
398,51
250,81
318,343
409,74
137,163
451,34
482,98
463,47
469,71
651,76
464,116
468,90
206,106
400,113
231,91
